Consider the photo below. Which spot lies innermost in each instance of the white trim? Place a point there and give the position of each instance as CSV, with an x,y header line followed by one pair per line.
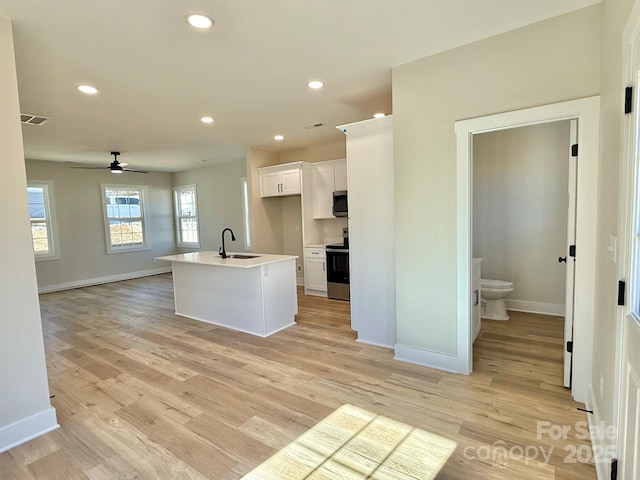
x,y
58,287
27,429
426,358
598,444
587,111
375,344
556,309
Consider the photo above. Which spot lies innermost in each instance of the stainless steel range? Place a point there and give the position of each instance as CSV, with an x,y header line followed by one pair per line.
x,y
338,270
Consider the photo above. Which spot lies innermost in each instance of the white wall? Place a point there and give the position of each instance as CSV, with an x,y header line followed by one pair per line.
x,y
82,242
219,203
25,410
371,232
266,213
547,62
520,204
292,232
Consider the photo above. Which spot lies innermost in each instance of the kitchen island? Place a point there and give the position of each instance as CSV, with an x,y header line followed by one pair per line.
x,y
251,293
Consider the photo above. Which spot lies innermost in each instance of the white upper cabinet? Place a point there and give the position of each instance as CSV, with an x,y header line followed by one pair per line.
x,y
328,177
280,180
340,176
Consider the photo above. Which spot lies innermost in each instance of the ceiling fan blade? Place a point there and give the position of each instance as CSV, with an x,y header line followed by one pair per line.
x,y
91,168
115,166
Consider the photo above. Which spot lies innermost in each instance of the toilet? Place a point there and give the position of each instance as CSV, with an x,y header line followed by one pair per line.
x,y
493,293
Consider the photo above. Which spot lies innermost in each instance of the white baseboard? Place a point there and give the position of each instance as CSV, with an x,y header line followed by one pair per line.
x,y
97,281
375,344
315,293
535,307
27,429
426,358
599,443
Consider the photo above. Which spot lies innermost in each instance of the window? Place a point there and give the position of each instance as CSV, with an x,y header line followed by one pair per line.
x,y
41,212
185,201
245,212
124,213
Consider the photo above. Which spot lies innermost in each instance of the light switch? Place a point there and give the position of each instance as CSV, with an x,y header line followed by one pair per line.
x,y
613,247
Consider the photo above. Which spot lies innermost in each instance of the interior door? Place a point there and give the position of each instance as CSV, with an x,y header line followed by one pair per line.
x,y
570,253
628,337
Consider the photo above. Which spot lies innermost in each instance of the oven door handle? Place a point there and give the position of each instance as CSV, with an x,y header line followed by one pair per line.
x,y
337,250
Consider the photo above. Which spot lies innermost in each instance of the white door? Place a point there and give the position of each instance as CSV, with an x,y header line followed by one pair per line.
x,y
570,253
628,334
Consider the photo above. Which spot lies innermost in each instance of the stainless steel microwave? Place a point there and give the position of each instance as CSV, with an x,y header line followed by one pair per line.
x,y
340,204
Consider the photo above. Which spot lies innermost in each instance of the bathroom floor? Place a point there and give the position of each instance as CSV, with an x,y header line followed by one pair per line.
x,y
534,339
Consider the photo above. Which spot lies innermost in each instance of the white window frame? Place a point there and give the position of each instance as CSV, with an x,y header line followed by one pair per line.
x,y
111,249
178,217
246,219
50,221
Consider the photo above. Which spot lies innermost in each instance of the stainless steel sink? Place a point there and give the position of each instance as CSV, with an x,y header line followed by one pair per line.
x,y
242,257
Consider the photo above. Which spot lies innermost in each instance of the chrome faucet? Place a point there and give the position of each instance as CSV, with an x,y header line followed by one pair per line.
x,y
222,251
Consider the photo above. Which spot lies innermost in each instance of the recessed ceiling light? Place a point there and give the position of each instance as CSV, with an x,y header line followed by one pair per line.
x,y
88,89
315,84
278,138
379,115
206,120
199,21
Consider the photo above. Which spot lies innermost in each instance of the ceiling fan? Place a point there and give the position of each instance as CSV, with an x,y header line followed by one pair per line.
x,y
115,166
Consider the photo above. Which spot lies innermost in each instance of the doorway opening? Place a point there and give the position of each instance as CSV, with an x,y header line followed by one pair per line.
x,y
523,224
586,112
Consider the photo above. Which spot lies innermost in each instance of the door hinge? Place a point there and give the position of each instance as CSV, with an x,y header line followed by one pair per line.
x,y
572,251
628,99
570,347
614,469
574,150
621,292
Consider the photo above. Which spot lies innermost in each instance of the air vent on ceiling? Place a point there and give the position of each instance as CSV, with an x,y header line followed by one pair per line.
x,y
315,125
33,119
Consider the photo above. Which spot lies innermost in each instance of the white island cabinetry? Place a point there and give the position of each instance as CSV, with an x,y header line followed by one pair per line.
x,y
255,295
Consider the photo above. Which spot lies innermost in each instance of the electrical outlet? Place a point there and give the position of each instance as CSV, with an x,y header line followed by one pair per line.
x,y
299,267
601,386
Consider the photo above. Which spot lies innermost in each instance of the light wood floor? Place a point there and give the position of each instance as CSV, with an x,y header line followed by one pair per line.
x,y
141,393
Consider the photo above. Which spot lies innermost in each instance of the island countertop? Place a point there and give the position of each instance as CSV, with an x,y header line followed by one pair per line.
x,y
214,259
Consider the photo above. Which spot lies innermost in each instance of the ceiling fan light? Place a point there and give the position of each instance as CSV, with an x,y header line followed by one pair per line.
x,y
113,170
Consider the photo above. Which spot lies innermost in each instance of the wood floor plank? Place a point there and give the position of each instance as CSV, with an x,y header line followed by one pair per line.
x,y
142,393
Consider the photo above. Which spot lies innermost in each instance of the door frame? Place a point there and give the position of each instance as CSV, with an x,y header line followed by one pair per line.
x,y
587,112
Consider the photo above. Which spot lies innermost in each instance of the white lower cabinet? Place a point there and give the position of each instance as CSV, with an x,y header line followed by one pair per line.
x,y
315,271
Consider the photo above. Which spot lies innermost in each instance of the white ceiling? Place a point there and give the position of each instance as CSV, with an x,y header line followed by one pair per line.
x,y
157,76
